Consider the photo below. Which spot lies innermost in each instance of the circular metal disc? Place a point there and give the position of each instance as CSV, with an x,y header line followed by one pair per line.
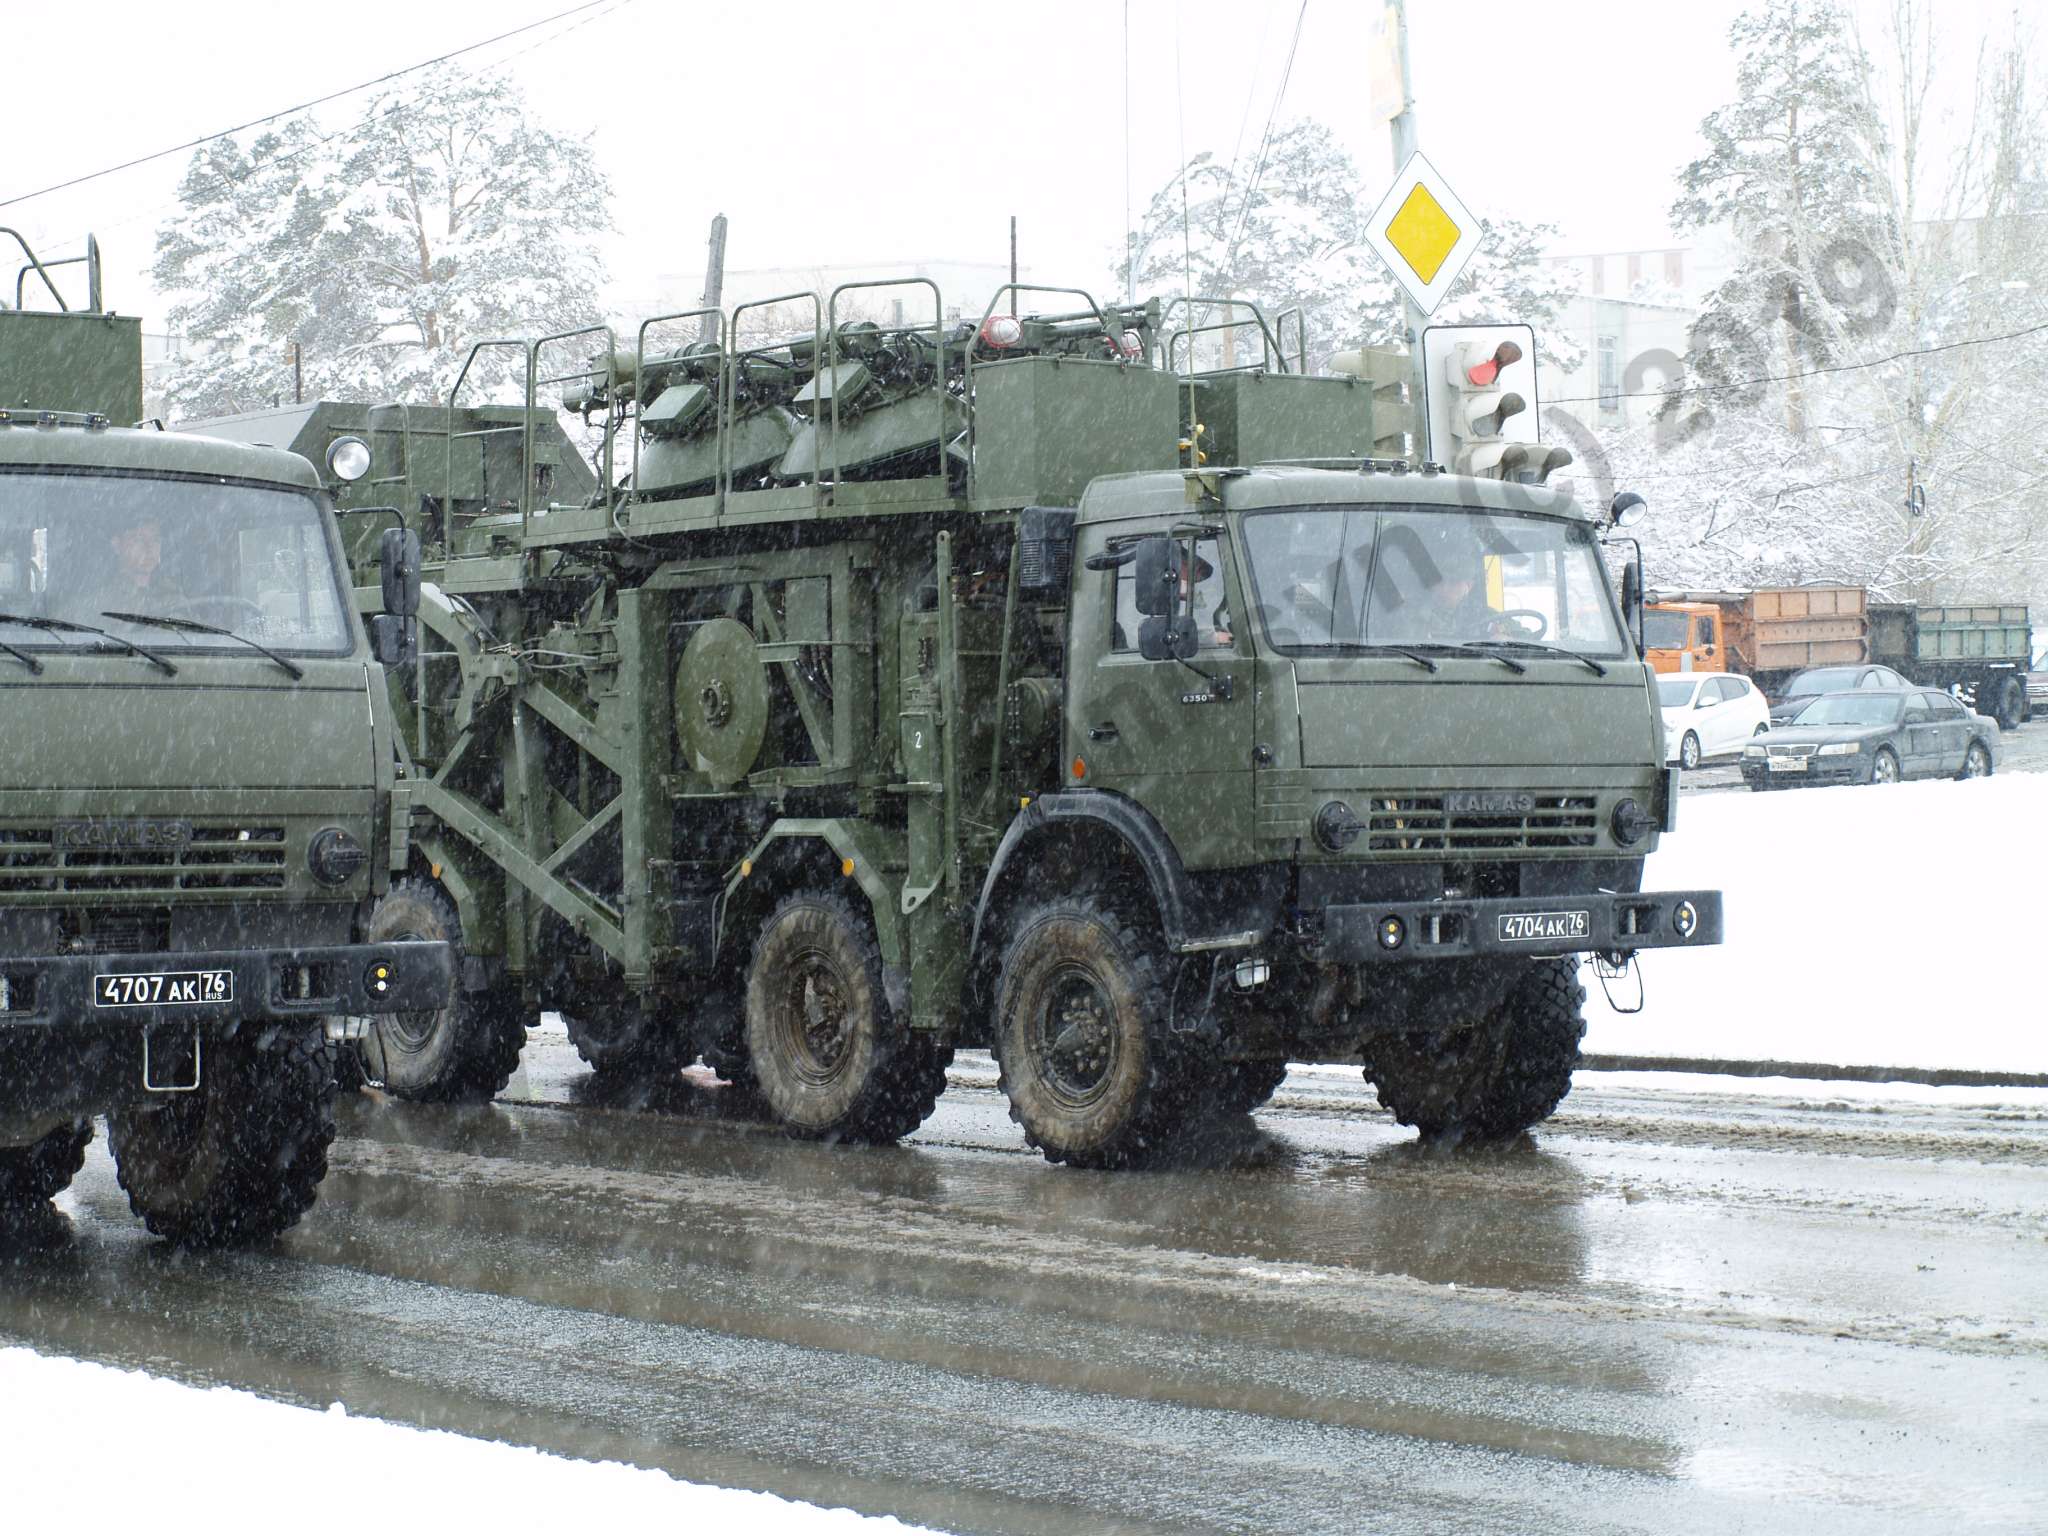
x,y
721,702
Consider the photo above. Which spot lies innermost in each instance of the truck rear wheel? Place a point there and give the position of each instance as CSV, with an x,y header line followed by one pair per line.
x,y
1495,1079
464,1053
1081,1039
623,1039
2009,709
829,1058
240,1158
30,1175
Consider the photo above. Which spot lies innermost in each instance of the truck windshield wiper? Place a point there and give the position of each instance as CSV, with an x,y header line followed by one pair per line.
x,y
1550,650
193,626
1377,646
1483,647
23,657
66,626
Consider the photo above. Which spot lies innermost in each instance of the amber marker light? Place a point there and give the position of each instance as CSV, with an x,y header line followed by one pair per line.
x,y
1080,769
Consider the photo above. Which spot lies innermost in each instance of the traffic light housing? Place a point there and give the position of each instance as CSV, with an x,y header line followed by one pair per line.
x,y
1482,403
1479,409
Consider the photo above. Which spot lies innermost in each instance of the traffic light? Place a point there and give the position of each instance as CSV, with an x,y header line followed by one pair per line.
x,y
1479,410
1482,402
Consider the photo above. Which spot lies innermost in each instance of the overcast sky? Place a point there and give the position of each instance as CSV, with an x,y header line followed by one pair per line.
x,y
836,133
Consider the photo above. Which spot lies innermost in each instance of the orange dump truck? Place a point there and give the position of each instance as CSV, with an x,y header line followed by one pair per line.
x,y
1767,635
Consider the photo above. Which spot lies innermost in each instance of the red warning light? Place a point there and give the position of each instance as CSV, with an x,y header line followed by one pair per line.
x,y
1482,375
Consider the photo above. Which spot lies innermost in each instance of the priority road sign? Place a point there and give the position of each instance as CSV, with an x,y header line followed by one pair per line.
x,y
1423,233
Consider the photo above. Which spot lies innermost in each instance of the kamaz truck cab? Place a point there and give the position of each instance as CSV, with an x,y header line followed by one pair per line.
x,y
1376,745
196,766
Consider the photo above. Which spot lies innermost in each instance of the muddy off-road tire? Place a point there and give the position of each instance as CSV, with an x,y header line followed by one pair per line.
x,y
464,1053
30,1175
1084,1055
830,1060
1495,1079
240,1159
625,1041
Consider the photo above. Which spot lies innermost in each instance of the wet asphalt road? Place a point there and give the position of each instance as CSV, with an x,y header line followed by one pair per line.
x,y
1672,1310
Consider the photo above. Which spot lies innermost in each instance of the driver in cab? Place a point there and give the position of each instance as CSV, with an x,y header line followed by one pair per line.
x,y
138,582
1444,587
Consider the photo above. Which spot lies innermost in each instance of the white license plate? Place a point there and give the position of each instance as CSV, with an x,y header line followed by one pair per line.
x,y
158,989
1519,927
1788,765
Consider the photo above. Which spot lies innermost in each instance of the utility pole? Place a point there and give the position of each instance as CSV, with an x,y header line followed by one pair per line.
x,y
1406,143
298,373
714,281
1013,264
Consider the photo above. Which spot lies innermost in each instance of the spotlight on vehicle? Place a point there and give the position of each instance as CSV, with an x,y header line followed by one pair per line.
x,y
348,458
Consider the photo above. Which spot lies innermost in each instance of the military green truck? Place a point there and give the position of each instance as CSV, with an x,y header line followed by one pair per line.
x,y
195,794
902,687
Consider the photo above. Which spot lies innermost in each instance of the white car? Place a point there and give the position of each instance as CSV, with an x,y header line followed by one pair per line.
x,y
1709,714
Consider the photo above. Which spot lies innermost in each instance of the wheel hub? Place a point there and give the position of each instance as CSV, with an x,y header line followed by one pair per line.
x,y
819,1017
1075,1037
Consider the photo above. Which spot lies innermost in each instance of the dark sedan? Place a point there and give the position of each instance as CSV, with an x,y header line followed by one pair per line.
x,y
1804,687
1873,736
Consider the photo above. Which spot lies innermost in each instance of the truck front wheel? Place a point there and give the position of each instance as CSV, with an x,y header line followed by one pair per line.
x,y
829,1058
241,1157
1081,1038
464,1053
30,1175
1494,1079
2010,708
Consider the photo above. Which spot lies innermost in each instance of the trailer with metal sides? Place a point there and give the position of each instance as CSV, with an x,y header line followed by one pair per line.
x,y
1013,683
1980,651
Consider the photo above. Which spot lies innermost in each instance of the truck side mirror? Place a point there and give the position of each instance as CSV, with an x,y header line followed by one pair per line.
x,y
1632,601
398,569
393,640
1164,639
1158,578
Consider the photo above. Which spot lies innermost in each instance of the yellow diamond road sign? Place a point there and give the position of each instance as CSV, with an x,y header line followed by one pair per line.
x,y
1423,233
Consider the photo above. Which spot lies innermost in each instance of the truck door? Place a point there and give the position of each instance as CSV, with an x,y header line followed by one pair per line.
x,y
1176,737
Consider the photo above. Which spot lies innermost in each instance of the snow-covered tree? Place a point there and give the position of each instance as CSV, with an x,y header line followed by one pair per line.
x,y
1295,237
445,216
1855,343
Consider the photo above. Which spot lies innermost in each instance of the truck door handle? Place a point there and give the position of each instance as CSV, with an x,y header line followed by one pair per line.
x,y
1103,732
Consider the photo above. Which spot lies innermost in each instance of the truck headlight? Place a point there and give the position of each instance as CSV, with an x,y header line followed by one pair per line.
x,y
1631,823
334,856
1839,749
1336,826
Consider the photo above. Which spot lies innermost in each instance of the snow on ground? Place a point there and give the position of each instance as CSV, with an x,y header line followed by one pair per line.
x,y
1866,926
228,1461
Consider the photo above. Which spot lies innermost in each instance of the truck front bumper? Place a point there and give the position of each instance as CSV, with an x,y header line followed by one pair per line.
x,y
219,986
1595,923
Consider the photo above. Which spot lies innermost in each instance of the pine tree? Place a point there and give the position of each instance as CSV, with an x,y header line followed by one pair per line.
x,y
444,216
1295,239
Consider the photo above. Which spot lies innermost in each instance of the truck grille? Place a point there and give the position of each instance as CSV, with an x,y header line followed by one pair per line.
x,y
1419,823
217,858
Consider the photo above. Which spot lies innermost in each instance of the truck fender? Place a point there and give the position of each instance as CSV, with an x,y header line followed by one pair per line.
x,y
1130,824
873,854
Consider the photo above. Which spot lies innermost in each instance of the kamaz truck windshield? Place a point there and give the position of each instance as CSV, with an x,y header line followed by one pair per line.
x,y
193,564
1337,577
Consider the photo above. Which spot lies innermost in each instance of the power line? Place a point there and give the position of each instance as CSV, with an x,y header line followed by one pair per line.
x,y
303,106
1805,373
1266,139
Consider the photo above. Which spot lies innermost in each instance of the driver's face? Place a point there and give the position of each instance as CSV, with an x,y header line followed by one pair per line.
x,y
140,549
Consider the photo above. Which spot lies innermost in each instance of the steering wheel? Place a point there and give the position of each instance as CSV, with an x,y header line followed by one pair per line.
x,y
1522,630
226,610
